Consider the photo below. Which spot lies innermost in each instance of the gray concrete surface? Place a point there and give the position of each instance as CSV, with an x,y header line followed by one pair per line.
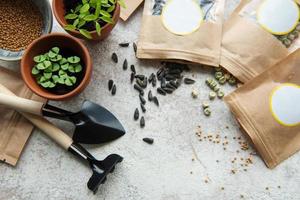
x,y
164,170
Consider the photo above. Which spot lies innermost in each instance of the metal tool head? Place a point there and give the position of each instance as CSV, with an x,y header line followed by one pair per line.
x,y
101,169
95,124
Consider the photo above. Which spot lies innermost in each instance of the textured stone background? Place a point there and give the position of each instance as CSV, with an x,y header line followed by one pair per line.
x,y
160,171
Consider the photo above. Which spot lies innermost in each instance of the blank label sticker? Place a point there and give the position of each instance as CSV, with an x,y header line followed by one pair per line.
x,y
182,17
285,104
279,17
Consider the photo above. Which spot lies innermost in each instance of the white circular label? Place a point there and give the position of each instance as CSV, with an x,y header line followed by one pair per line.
x,y
182,17
278,16
285,104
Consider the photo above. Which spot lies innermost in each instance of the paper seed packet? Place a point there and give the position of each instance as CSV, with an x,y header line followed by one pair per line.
x,y
258,34
268,110
131,6
188,30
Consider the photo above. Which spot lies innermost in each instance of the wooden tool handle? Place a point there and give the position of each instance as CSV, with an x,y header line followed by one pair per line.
x,y
21,104
44,125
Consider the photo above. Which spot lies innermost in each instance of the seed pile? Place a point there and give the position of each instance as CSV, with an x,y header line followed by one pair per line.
x,y
166,80
221,77
21,22
240,162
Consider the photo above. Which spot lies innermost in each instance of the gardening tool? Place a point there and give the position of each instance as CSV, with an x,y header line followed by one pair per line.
x,y
100,168
94,124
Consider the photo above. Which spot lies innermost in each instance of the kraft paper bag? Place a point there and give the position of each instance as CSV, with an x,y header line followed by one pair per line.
x,y
131,6
247,48
268,110
203,45
14,129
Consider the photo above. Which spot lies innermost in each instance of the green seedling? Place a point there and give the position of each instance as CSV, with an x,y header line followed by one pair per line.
x,y
96,12
52,69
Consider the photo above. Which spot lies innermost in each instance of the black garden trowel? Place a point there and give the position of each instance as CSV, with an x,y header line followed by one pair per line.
x,y
100,168
94,124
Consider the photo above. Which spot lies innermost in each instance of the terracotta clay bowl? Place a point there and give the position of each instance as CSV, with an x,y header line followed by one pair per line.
x,y
41,46
59,13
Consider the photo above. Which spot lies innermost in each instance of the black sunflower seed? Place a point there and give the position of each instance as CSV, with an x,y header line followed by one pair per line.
x,y
150,79
163,82
132,77
170,86
114,90
139,89
161,91
124,44
168,90
136,114
139,76
159,71
174,71
173,83
134,47
143,108
125,64
150,96
154,82
142,122
155,100
139,82
132,67
189,81
110,84
114,57
148,140
143,101
170,77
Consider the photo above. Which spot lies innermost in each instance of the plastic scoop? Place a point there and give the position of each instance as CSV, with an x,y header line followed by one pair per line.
x,y
94,124
100,168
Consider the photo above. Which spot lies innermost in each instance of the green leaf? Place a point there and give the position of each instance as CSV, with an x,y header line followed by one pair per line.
x,y
71,69
47,75
84,8
63,61
55,67
35,71
48,70
39,58
90,18
107,19
71,16
70,27
42,79
68,82
122,3
40,66
98,28
52,54
74,59
73,79
55,78
81,23
47,63
51,85
76,22
61,80
111,8
85,33
65,66
84,1
57,58
78,68
104,13
98,8
77,9
61,73
55,50
46,84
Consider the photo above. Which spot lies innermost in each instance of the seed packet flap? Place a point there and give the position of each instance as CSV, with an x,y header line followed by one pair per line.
x,y
197,39
268,109
14,129
131,6
247,48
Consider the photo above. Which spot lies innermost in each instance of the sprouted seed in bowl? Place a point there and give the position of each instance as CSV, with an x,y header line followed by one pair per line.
x,y
55,72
